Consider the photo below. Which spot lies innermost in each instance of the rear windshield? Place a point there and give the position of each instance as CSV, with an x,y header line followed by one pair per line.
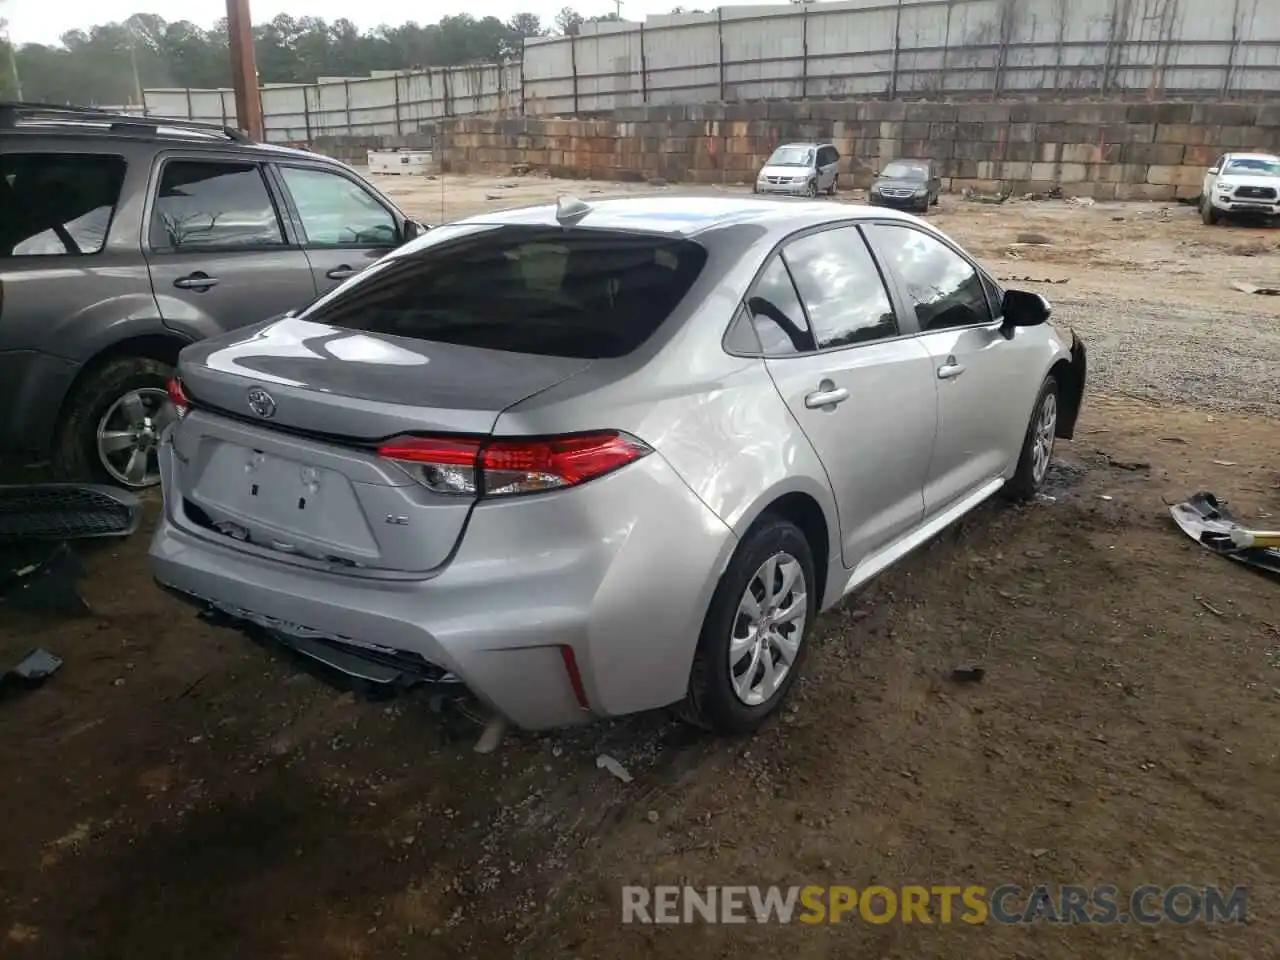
x,y
525,289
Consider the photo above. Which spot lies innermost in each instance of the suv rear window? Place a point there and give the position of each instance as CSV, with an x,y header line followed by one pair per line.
x,y
54,204
524,289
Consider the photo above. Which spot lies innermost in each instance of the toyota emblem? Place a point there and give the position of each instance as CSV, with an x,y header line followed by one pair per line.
x,y
262,403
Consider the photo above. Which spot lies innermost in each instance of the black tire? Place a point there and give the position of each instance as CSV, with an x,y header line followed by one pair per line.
x,y
923,208
75,455
1025,484
711,702
1209,213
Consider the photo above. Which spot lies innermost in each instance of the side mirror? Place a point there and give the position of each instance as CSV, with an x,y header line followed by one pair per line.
x,y
413,230
1213,171
1024,309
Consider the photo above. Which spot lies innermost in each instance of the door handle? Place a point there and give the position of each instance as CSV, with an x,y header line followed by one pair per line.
x,y
196,281
950,370
340,273
826,396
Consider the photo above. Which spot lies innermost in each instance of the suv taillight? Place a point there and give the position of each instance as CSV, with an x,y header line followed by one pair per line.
x,y
507,467
178,397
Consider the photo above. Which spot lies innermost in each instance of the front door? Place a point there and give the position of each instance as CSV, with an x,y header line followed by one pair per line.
x,y
983,377
217,248
863,395
342,226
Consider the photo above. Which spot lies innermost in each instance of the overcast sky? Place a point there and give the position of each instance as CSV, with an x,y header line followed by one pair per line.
x,y
43,21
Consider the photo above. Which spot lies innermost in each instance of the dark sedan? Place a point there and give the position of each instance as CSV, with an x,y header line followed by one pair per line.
x,y
908,185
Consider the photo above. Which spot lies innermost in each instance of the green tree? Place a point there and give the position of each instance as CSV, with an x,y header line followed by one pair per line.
x,y
568,21
106,63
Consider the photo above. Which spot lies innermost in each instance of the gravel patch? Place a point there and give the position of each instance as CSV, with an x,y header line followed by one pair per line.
x,y
1174,353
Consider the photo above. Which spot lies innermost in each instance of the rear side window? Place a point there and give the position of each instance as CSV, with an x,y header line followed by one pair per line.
x,y
57,204
213,204
841,288
524,289
776,314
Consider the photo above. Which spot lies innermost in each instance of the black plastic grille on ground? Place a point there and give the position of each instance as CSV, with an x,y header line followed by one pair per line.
x,y
65,511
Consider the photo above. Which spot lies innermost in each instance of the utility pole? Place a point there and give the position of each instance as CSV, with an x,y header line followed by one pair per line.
x,y
244,68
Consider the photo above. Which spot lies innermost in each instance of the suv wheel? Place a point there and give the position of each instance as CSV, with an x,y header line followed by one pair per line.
x,y
753,639
1208,212
112,423
1037,447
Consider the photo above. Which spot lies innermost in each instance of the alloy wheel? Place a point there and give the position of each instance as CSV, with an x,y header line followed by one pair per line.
x,y
1042,438
128,436
768,629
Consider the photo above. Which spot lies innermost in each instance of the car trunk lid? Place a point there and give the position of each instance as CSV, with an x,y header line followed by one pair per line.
x,y
280,449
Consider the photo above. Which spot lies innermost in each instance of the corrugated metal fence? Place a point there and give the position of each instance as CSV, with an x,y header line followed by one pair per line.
x,y
1161,49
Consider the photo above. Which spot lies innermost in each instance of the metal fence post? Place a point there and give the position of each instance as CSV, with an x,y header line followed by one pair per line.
x,y
644,69
573,61
720,38
346,101
804,51
897,45
396,81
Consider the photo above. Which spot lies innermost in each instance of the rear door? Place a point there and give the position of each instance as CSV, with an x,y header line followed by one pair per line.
x,y
861,390
986,382
68,271
217,246
342,226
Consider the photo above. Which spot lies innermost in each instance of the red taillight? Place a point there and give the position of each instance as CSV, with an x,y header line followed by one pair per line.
x,y
178,397
498,468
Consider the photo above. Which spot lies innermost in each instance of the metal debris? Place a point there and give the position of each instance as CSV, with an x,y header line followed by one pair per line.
x,y
968,674
494,731
1244,287
1206,520
606,762
41,576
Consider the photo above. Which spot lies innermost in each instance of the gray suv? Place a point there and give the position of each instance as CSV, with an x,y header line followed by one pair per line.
x,y
122,240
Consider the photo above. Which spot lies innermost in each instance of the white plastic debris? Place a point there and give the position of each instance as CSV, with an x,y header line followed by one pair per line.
x,y
606,762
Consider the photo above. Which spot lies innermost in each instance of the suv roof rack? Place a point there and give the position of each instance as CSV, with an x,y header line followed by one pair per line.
x,y
17,113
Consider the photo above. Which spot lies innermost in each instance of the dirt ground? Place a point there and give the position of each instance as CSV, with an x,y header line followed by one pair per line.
x,y
178,792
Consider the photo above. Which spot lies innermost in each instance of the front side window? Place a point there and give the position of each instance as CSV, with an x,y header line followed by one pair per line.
x,y
524,289
841,288
942,287
213,204
57,204
338,212
776,314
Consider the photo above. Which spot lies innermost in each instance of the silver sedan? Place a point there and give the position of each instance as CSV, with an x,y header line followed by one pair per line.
x,y
590,459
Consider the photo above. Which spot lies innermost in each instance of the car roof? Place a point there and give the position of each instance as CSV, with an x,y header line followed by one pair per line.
x,y
689,216
1253,156
803,143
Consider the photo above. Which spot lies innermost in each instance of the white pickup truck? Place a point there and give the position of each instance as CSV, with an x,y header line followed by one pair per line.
x,y
1241,183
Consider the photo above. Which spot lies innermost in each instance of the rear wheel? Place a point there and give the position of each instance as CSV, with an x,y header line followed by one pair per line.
x,y
1037,446
112,422
753,638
